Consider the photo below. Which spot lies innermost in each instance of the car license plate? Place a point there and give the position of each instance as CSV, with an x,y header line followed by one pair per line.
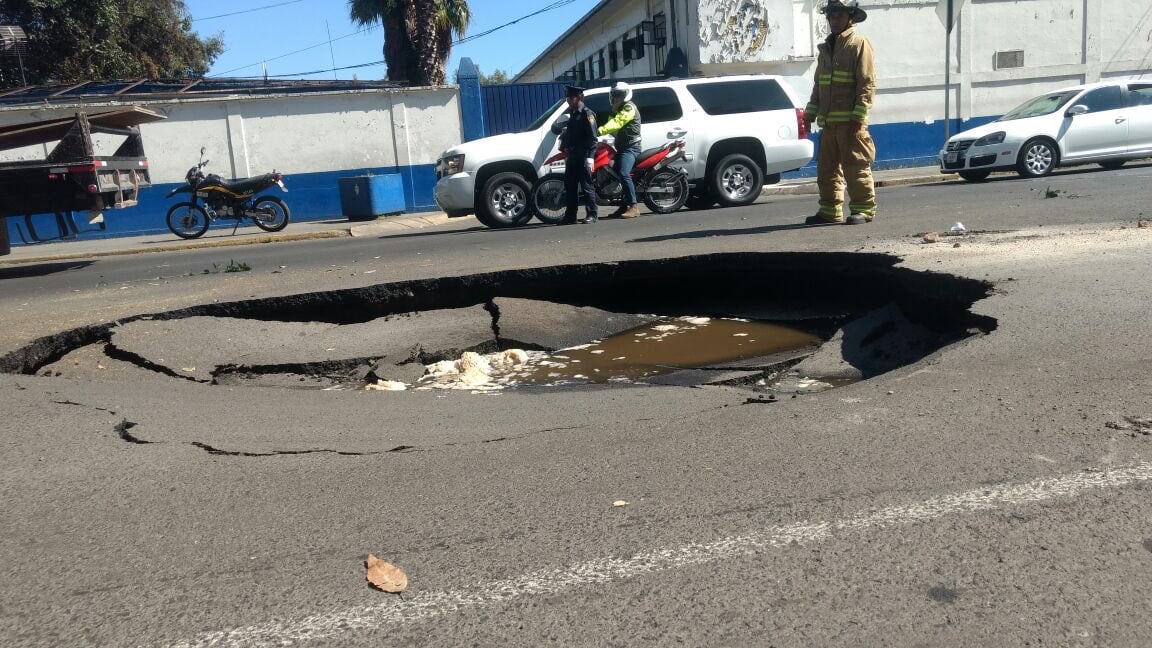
x,y
951,157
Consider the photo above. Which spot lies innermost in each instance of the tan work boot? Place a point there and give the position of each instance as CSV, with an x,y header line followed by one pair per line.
x,y
632,212
619,212
821,219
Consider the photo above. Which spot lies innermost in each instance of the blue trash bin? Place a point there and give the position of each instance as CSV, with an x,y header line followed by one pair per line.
x,y
369,196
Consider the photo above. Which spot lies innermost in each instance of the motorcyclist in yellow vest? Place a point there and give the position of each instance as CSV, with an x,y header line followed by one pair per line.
x,y
845,85
625,125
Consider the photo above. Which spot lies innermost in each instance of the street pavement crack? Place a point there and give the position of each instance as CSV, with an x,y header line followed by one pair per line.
x,y
116,353
122,429
69,402
241,453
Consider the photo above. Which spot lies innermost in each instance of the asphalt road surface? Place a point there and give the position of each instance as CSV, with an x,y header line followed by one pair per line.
x,y
994,493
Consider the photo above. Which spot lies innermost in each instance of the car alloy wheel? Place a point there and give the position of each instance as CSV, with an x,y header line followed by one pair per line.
x,y
1038,158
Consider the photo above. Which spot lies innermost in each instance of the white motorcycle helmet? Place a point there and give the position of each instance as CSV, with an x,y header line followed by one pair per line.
x,y
621,92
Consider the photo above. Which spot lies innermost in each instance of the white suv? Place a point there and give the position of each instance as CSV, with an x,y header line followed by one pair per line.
x,y
741,132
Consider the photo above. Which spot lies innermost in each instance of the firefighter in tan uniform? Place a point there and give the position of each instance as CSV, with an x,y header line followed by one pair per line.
x,y
845,85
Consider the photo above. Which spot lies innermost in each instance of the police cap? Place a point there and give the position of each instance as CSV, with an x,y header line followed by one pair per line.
x,y
573,91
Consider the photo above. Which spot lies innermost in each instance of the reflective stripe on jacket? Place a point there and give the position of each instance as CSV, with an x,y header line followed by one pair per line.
x,y
625,125
845,80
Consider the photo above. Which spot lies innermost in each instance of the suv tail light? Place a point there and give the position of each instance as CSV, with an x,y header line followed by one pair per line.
x,y
801,127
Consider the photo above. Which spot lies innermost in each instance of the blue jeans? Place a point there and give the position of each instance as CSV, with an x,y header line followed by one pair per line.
x,y
623,164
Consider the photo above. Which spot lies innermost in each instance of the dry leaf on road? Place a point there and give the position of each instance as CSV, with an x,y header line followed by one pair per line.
x,y
386,576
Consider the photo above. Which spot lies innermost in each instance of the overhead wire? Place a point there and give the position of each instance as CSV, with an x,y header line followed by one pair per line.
x,y
304,49
244,11
555,5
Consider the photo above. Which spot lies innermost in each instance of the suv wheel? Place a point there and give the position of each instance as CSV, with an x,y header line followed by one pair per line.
x,y
736,180
504,201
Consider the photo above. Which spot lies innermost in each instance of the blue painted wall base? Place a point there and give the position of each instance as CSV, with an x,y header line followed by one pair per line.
x,y
311,197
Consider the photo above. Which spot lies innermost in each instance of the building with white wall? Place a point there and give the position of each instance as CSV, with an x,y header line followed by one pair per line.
x,y
1001,52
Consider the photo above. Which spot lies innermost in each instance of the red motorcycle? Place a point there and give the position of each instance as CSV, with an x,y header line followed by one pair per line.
x,y
662,188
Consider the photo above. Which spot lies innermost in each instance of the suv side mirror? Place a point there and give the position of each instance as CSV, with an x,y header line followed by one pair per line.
x,y
560,124
1078,109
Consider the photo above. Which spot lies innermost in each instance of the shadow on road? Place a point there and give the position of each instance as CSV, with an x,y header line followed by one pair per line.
x,y
1078,170
471,230
40,269
767,229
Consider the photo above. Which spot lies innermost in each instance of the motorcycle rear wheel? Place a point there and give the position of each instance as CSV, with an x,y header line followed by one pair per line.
x,y
188,220
274,213
671,191
549,200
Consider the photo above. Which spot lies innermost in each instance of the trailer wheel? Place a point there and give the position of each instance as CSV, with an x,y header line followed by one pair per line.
x,y
188,220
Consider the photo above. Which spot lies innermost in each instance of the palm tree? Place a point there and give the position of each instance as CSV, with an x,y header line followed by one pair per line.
x,y
417,34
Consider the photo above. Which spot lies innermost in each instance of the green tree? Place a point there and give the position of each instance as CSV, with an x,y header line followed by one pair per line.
x,y
88,40
496,78
417,35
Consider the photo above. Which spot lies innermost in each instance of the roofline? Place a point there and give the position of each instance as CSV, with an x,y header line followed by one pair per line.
x,y
181,99
579,23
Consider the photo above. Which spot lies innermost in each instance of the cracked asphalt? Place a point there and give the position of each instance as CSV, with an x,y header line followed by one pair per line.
x,y
992,493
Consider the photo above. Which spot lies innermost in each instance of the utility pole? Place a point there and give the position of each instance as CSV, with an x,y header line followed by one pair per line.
x,y
948,10
331,53
948,70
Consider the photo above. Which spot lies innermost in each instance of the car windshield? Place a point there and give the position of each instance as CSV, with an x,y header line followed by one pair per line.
x,y
1043,105
545,116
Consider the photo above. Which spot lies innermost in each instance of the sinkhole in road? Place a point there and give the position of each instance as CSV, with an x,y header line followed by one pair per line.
x,y
773,322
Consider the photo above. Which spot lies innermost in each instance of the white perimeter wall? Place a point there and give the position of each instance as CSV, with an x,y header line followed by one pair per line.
x,y
245,136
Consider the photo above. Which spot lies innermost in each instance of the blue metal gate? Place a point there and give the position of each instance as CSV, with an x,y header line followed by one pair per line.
x,y
509,108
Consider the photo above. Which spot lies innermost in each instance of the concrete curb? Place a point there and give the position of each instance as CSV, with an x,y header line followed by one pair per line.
x,y
809,186
384,226
172,247
372,228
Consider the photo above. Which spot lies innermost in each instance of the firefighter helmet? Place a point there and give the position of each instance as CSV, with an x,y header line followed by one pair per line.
x,y
846,6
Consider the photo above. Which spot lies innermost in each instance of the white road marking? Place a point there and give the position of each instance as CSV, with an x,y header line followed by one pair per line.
x,y
428,605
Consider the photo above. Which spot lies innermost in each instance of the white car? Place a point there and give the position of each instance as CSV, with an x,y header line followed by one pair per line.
x,y
740,132
1107,123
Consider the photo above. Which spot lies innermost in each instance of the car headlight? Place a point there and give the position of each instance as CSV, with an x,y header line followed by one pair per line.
x,y
452,164
991,138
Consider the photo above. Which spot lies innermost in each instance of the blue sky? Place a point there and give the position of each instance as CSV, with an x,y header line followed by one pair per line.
x,y
291,37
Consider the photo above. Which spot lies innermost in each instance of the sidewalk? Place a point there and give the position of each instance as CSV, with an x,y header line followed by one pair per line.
x,y
341,228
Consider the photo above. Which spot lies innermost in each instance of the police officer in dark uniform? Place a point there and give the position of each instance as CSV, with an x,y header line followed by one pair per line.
x,y
579,141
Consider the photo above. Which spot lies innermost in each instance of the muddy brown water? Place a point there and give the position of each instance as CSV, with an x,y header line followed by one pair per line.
x,y
662,347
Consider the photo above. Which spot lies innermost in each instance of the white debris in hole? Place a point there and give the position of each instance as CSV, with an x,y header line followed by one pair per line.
x,y
477,372
386,385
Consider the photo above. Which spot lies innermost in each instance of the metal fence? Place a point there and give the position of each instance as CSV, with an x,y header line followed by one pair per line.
x,y
509,108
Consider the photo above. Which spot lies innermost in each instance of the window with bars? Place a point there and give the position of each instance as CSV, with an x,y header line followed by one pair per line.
x,y
659,37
